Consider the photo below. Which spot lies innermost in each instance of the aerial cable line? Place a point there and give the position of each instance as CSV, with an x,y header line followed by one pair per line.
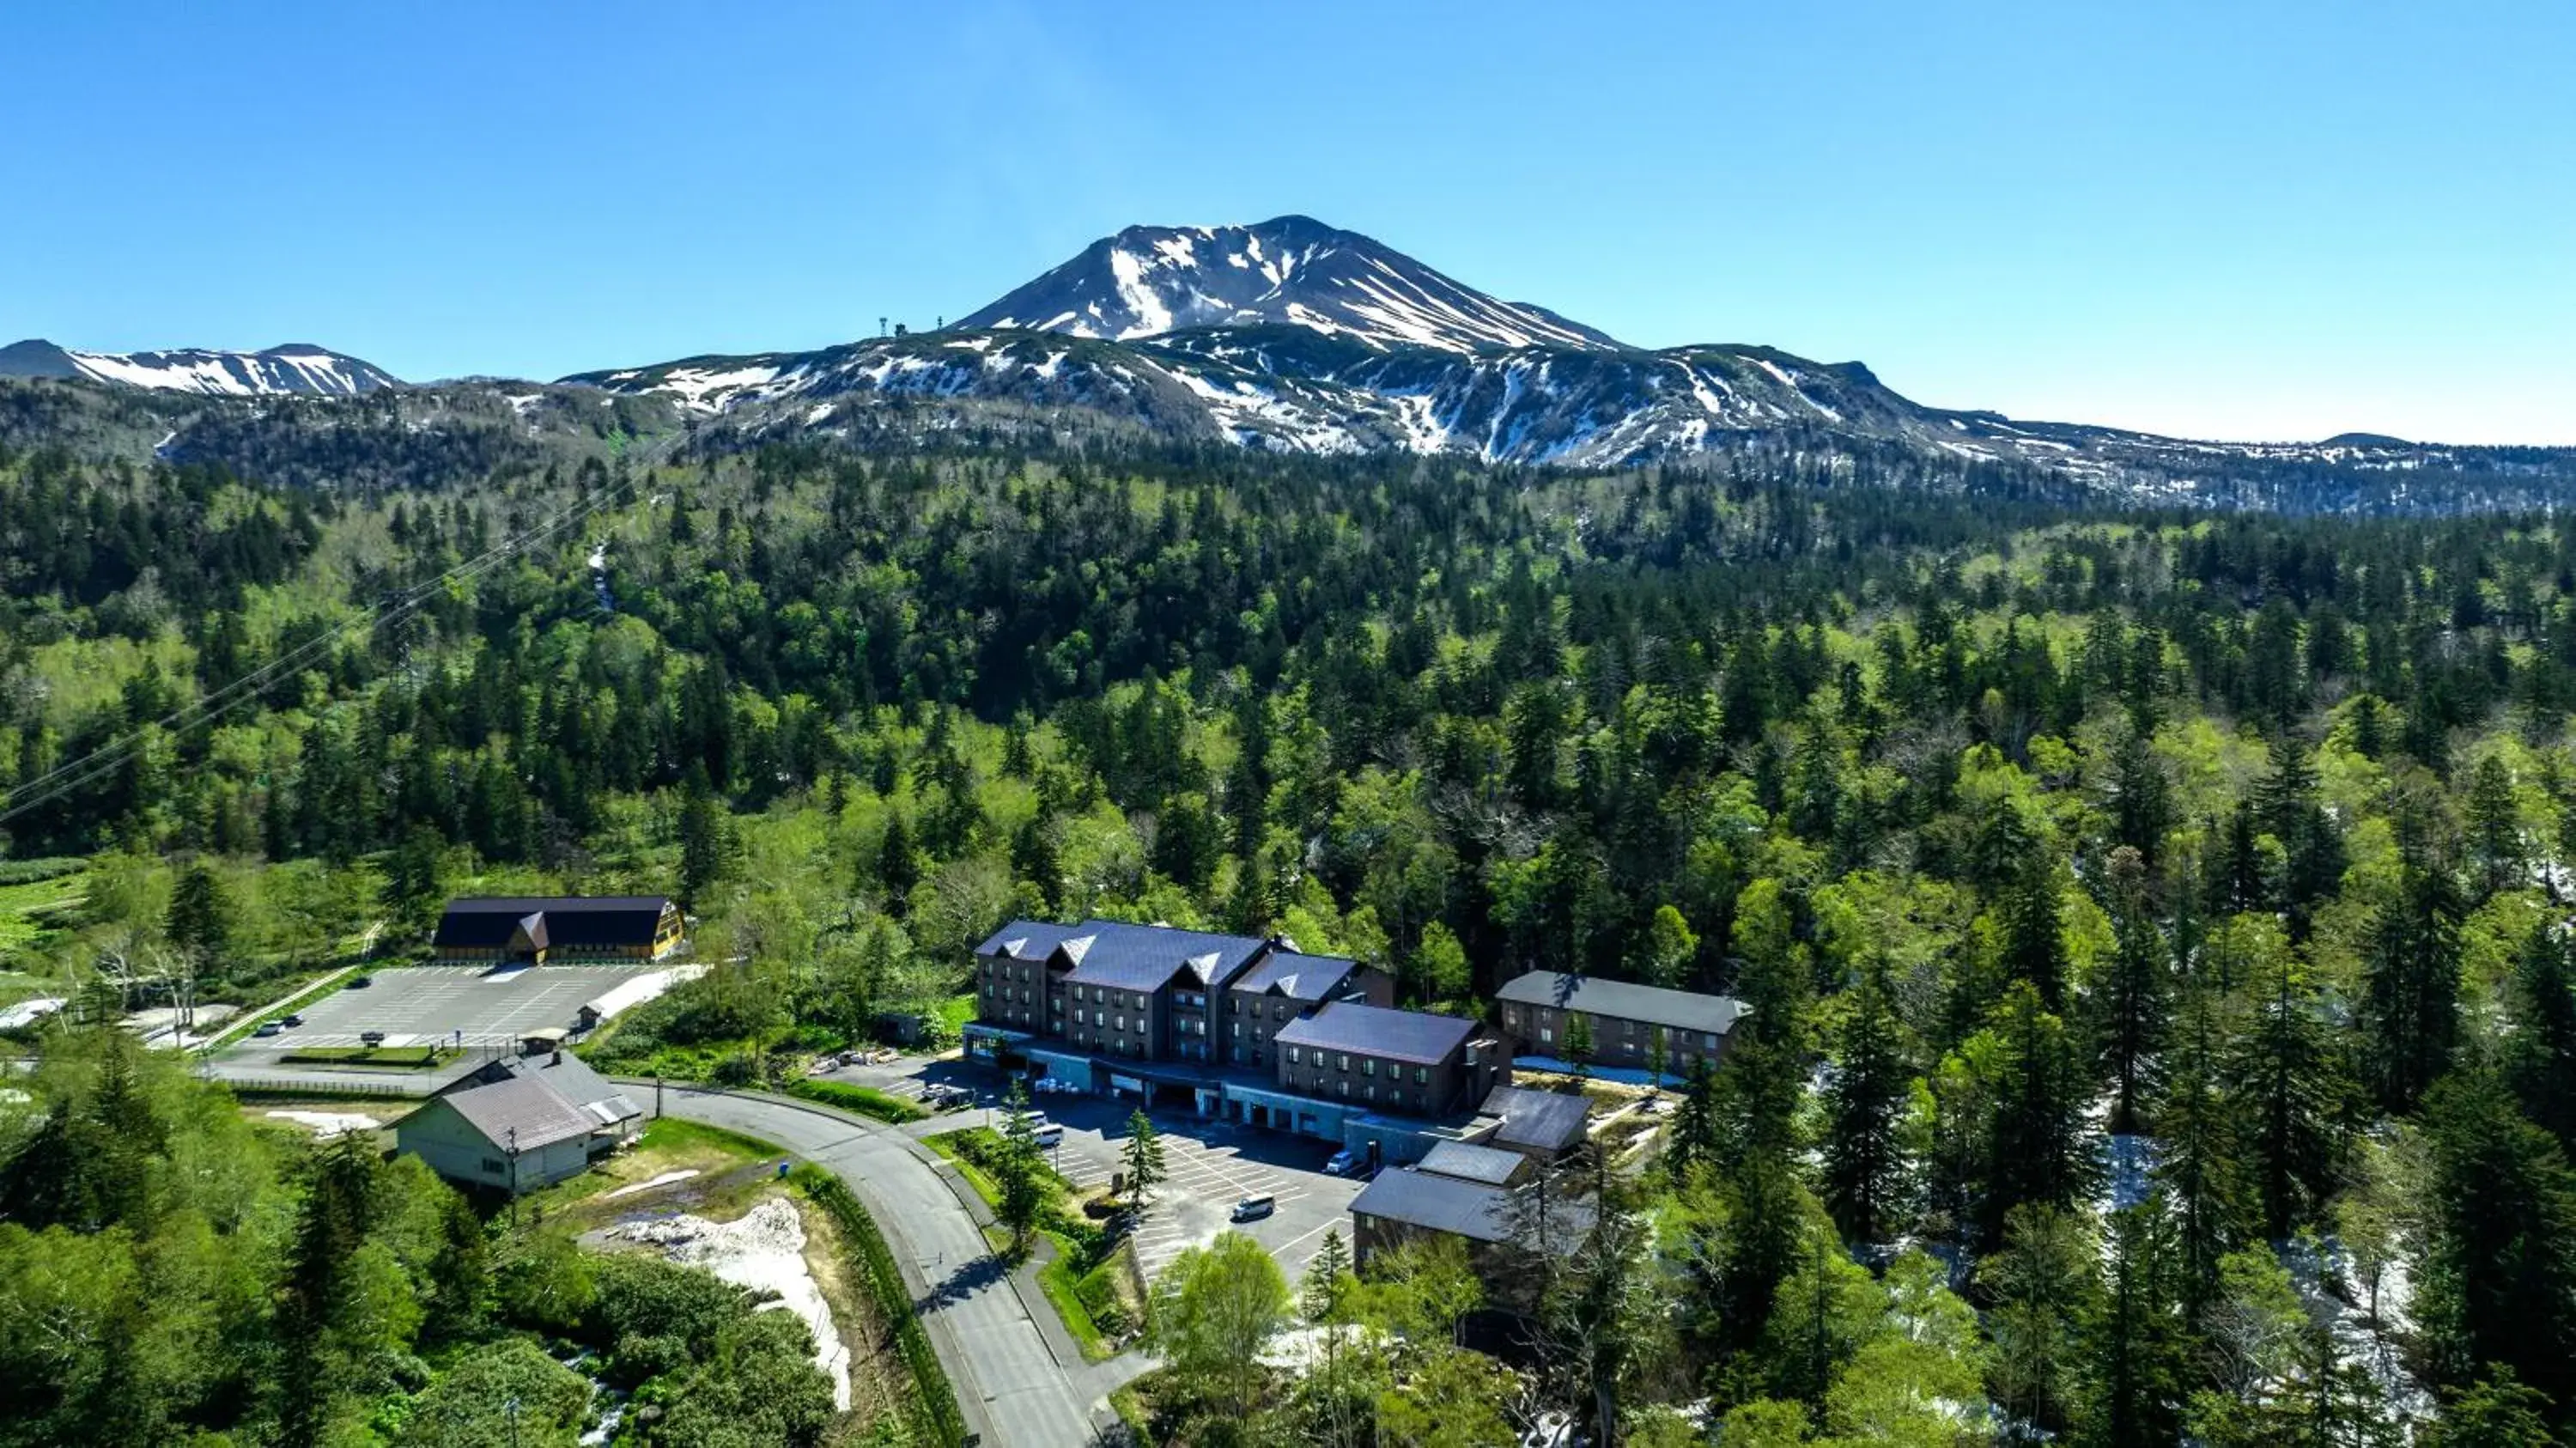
x,y
105,759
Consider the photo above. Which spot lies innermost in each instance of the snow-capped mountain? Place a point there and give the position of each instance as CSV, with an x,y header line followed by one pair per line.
x,y
1150,280
297,368
1287,336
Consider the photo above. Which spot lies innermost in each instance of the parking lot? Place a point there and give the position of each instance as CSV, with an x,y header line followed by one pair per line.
x,y
1211,1164
430,1005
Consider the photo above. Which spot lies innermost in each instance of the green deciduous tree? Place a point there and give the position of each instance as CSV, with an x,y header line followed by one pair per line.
x,y
1216,1307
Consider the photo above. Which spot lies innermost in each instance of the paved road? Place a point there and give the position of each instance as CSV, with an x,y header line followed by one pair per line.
x,y
1012,1389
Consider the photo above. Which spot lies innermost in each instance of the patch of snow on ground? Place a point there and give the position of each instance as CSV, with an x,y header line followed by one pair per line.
x,y
636,990
696,387
327,1124
764,1249
631,1188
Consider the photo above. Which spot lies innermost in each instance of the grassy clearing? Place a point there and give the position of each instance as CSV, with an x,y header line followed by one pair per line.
x,y
865,1100
667,1145
34,911
400,1058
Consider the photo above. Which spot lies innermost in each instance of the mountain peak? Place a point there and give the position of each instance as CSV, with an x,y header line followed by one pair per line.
x,y
1292,270
289,368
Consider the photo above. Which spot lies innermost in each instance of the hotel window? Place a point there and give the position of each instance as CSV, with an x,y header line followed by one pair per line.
x,y
1512,1020
1368,1066
1342,1062
1371,1093
1547,1035
1709,1039
1293,1058
1421,1076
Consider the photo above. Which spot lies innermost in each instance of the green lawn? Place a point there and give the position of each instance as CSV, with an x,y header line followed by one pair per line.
x,y
31,911
407,1058
865,1100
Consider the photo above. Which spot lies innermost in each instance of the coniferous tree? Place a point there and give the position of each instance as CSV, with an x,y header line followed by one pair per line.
x,y
2540,1054
2499,1285
1867,1178
2287,1090
2495,827
2130,1000
2037,1154
2411,998
2197,1168
2140,1343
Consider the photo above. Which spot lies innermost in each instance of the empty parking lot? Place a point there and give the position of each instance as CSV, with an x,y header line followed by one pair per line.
x,y
432,1005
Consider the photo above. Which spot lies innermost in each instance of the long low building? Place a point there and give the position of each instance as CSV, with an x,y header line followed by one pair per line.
x,y
1496,1222
534,930
1630,1025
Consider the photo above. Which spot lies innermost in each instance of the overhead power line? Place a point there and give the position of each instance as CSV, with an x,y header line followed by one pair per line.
x,y
107,758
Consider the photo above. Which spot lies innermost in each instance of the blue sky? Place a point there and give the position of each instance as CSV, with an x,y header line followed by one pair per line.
x,y
2240,220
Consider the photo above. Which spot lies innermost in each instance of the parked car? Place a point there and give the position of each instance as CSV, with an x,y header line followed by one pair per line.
x,y
371,1038
1342,1163
1049,1133
292,1020
266,1028
362,982
1254,1208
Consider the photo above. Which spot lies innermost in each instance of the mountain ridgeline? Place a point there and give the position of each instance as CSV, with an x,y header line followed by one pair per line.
x,y
1294,336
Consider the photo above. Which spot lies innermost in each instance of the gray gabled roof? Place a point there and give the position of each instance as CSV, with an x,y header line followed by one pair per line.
x,y
1472,1209
1297,976
1678,1010
1437,1203
538,1113
1417,1036
1470,1163
1539,1120
1121,956
574,1080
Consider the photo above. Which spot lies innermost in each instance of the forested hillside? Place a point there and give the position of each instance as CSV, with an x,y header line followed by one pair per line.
x,y
2151,922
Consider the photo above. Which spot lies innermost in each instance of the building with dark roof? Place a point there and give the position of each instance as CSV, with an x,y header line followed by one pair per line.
x,y
1286,985
1406,1061
1540,1125
521,1123
1499,1224
1628,1023
1490,1166
537,929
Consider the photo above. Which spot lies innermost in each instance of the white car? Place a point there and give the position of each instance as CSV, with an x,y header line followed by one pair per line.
x,y
1342,1163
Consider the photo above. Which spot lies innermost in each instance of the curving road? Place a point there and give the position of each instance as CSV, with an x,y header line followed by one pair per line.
x,y
1009,1383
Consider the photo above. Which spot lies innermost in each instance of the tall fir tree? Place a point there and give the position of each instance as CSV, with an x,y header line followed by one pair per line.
x,y
2410,1004
1867,1178
2540,1053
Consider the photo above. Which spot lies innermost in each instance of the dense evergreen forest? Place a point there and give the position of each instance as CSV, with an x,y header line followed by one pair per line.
x,y
2163,1026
